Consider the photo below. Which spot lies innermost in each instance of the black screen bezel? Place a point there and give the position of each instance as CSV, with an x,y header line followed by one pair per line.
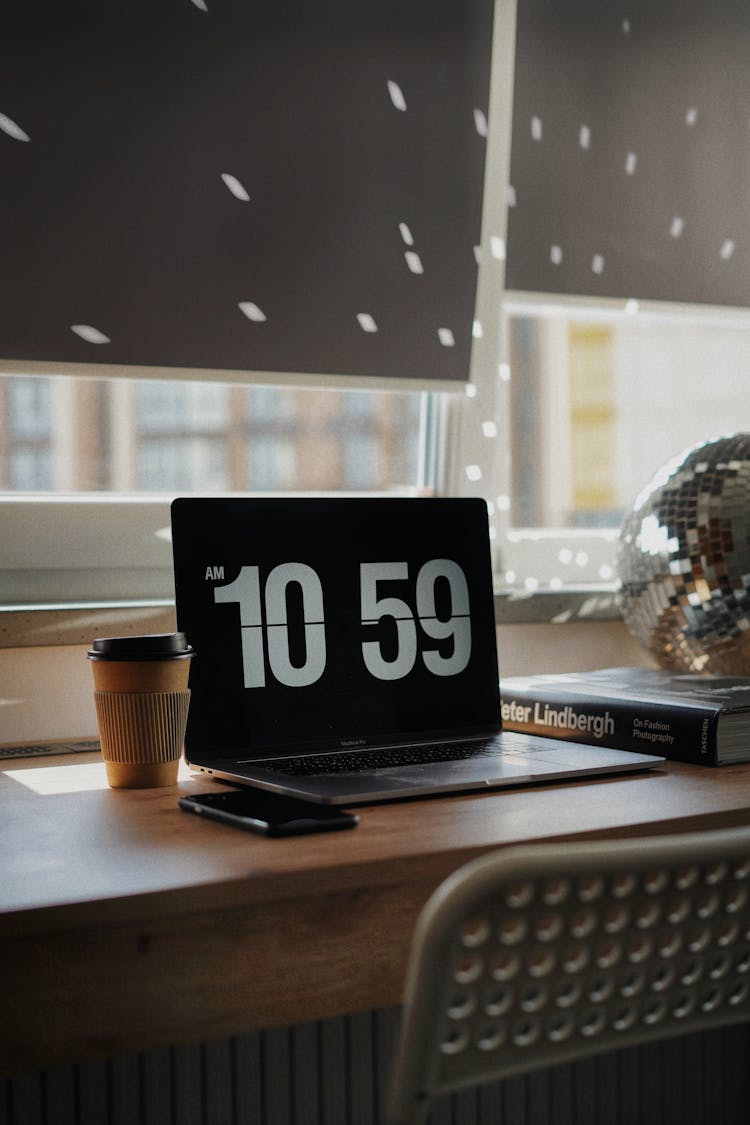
x,y
348,709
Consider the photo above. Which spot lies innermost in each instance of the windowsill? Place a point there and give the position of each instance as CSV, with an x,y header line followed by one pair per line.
x,y
24,626
559,606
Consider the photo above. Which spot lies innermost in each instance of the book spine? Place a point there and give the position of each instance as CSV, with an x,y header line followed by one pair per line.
x,y
684,734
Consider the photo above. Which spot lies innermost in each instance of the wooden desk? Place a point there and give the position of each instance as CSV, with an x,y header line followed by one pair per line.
x,y
127,924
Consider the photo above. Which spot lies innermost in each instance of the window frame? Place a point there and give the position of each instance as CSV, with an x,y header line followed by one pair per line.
x,y
529,565
47,536
464,447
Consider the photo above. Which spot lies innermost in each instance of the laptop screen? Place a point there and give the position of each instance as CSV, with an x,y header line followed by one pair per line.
x,y
334,623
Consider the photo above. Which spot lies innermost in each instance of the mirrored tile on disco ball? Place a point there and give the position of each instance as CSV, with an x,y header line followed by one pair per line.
x,y
684,560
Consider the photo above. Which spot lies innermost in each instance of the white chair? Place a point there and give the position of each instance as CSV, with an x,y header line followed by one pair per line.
x,y
548,953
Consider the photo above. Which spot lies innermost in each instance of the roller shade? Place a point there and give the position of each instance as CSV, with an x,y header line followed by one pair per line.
x,y
243,189
630,162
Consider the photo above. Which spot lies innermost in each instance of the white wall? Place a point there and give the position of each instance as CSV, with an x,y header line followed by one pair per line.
x,y
46,693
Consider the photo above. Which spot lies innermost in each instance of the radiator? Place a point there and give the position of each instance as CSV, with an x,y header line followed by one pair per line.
x,y
335,1072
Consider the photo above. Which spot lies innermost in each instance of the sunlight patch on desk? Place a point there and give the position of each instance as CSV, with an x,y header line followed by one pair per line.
x,y
50,781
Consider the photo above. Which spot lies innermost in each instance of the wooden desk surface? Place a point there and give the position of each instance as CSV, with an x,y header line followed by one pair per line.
x,y
126,923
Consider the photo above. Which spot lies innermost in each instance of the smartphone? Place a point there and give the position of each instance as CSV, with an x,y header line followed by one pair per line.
x,y
270,814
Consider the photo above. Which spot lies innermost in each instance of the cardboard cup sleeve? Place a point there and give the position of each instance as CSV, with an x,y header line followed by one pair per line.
x,y
142,735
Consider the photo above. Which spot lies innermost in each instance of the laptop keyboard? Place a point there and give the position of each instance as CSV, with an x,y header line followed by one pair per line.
x,y
46,749
365,760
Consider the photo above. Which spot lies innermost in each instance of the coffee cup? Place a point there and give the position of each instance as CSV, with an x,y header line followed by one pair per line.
x,y
142,697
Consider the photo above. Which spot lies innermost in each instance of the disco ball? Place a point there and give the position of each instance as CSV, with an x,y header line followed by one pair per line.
x,y
684,560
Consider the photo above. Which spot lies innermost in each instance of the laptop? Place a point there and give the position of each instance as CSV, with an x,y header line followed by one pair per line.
x,y
346,651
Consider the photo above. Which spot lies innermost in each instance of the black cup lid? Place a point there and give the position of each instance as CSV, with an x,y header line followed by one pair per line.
x,y
154,646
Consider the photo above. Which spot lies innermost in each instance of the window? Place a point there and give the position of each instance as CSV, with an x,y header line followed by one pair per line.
x,y
67,435
29,469
272,463
598,400
588,403
27,458
328,260
103,458
626,267
573,401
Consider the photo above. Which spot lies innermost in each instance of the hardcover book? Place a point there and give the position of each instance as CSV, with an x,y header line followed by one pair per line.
x,y
686,717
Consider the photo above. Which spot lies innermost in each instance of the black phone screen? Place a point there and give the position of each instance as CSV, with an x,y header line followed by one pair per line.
x,y
268,813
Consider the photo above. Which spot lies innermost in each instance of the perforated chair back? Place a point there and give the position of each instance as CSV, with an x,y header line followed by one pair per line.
x,y
536,955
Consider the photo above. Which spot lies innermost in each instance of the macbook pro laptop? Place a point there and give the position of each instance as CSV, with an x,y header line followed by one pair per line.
x,y
346,651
